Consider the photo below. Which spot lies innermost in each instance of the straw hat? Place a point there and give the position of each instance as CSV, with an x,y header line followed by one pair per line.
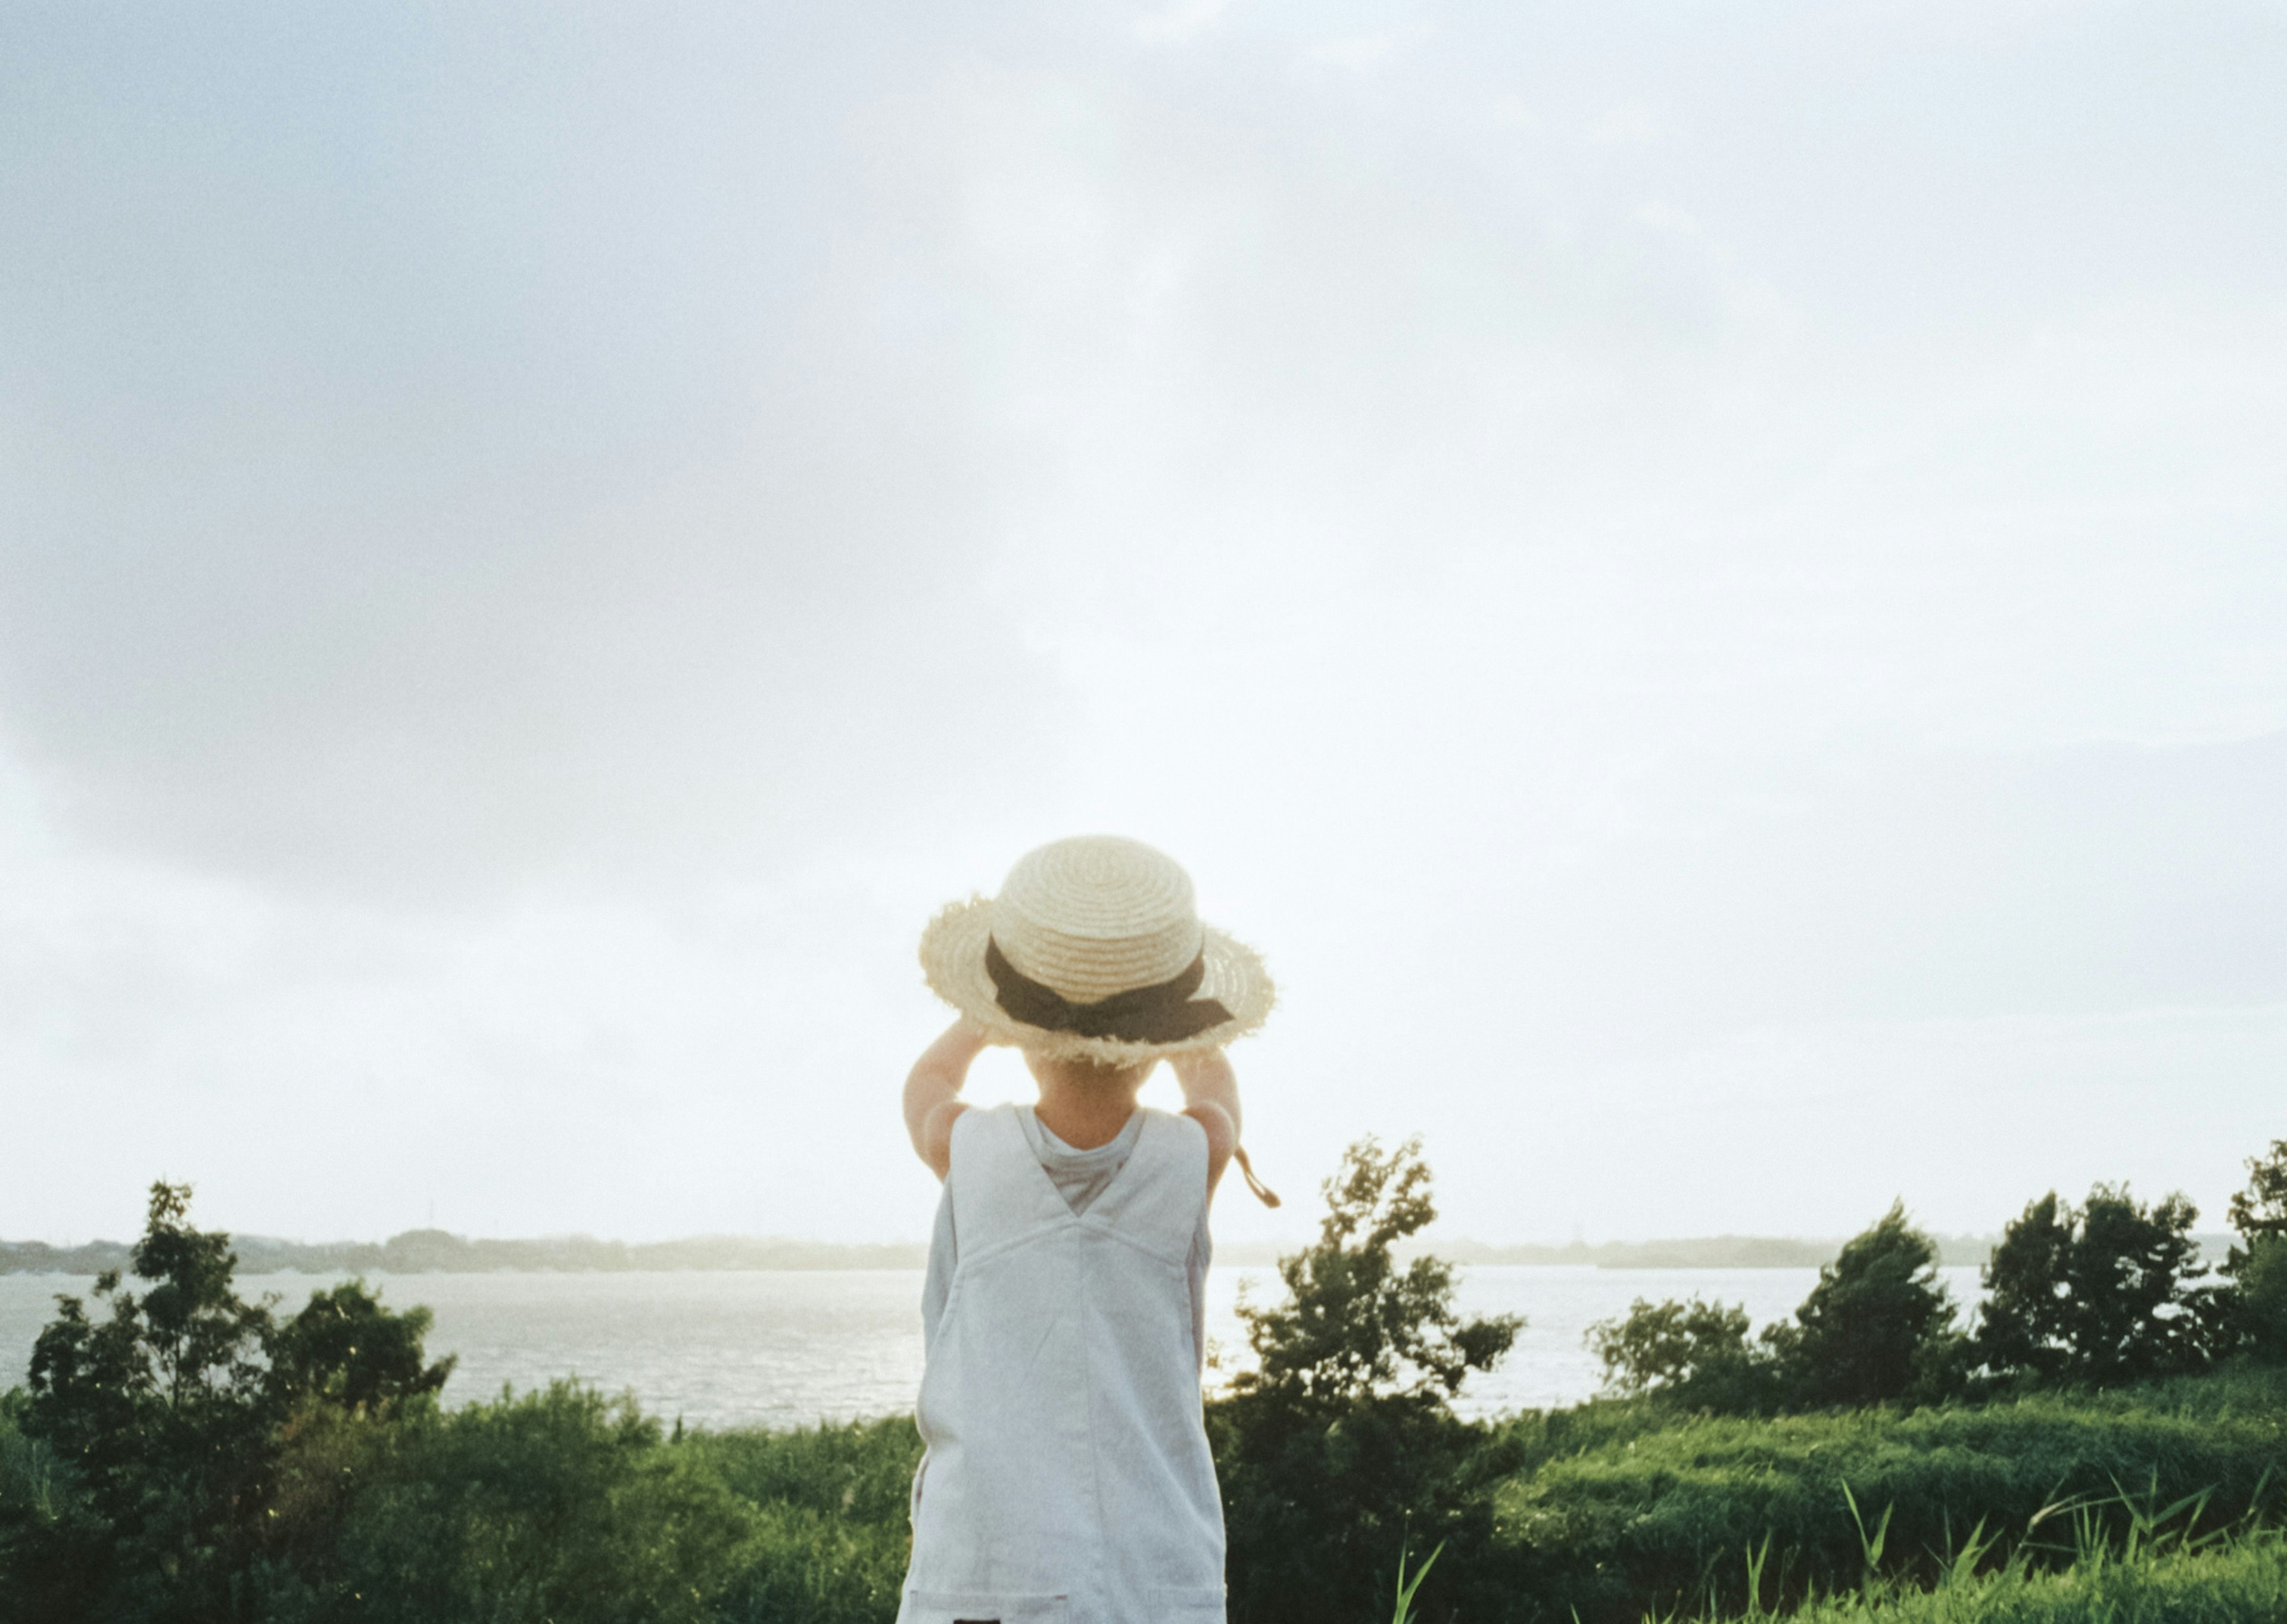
x,y
1094,950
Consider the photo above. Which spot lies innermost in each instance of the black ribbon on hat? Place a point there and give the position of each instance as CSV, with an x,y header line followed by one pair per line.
x,y
1167,1013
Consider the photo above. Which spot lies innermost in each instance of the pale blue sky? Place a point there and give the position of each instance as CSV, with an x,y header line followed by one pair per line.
x,y
1709,583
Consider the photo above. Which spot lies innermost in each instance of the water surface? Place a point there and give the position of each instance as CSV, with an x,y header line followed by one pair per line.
x,y
781,1349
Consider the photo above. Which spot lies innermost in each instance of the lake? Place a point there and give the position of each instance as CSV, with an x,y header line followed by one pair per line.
x,y
769,1348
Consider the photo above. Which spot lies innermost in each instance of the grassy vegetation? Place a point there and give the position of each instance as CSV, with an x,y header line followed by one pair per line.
x,y
185,1457
563,1505
828,1535
1616,1511
2242,1582
575,1508
2136,1562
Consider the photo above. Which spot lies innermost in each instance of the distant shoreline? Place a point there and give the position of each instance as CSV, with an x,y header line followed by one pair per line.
x,y
432,1251
435,1251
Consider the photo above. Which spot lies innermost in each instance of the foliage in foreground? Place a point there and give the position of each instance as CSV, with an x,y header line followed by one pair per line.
x,y
186,1457
159,1425
559,1505
562,1505
1339,1444
192,1458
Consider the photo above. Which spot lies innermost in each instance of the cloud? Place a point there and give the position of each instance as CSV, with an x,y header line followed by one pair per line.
x,y
527,569
1355,53
1631,124
1179,24
499,540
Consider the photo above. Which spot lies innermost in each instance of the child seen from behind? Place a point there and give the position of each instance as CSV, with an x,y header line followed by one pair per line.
x,y
1067,1479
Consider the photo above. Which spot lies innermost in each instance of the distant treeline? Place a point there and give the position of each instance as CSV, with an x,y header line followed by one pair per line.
x,y
1705,1252
436,1251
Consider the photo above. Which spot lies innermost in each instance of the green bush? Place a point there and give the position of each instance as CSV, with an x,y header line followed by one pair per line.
x,y
1339,1448
54,1546
557,1505
2258,1265
160,1421
830,1535
2110,1292
2259,1211
1694,1354
2262,1305
565,1507
1878,1326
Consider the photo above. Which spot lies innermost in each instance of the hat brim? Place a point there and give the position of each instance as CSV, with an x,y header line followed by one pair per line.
x,y
953,960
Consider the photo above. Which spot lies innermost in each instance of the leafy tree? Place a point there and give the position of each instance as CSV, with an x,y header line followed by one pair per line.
x,y
2107,1292
167,1411
346,1349
2262,1294
2259,1211
2025,1329
2257,1266
1339,1445
1878,1326
1694,1353
1357,1324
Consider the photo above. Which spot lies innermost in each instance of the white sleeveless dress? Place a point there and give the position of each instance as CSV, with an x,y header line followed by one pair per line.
x,y
1067,1478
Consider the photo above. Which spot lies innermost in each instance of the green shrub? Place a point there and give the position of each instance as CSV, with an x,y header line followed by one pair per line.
x,y
559,1505
2110,1292
53,1548
165,1412
1694,1354
1340,1447
2258,1265
1878,1326
2262,1305
831,1538
2259,1211
565,1507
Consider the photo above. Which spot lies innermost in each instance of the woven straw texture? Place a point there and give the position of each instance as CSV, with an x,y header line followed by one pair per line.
x,y
1089,917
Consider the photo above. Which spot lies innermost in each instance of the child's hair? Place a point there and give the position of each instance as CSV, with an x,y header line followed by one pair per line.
x,y
1077,1071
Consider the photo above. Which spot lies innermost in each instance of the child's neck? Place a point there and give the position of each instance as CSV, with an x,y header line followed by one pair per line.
x,y
1082,1116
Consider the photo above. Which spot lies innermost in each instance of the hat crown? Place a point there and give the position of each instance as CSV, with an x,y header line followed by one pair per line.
x,y
1097,914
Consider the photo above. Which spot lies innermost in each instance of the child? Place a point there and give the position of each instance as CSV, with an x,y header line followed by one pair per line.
x,y
1067,1477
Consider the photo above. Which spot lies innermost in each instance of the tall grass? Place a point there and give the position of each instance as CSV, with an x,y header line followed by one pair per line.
x,y
2118,1559
829,1507
29,1483
1642,1517
1409,1586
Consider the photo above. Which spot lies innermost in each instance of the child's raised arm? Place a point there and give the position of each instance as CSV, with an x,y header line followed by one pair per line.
x,y
933,1093
1211,1097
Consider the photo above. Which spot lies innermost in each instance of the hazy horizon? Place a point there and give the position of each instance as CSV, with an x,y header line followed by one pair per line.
x,y
1709,586
1290,1234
